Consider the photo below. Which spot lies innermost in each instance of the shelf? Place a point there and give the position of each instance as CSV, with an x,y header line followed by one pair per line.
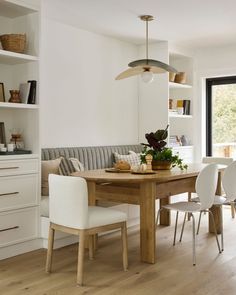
x,y
173,85
182,147
18,157
10,105
13,58
180,116
11,9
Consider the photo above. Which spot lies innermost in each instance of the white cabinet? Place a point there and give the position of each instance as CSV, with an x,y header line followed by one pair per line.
x,y
19,174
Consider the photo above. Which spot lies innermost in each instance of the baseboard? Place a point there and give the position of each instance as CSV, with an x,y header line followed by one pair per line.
x,y
20,248
59,243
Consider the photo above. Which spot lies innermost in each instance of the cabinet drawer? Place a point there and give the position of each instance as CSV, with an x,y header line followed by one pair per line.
x,y
18,226
18,191
16,167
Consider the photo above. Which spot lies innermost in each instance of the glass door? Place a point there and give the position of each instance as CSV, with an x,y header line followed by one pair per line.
x,y
221,117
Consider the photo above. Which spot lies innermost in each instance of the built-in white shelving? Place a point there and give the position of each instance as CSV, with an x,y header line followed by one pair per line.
x,y
171,115
9,105
13,58
12,9
20,172
173,85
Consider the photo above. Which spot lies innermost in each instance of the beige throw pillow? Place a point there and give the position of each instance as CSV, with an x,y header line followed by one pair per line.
x,y
132,158
48,167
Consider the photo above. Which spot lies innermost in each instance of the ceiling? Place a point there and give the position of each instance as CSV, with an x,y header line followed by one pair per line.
x,y
189,23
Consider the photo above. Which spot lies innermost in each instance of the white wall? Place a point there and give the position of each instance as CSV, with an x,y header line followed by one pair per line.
x,y
81,103
209,62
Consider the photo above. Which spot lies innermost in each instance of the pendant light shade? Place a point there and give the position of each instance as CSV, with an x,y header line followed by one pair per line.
x,y
146,67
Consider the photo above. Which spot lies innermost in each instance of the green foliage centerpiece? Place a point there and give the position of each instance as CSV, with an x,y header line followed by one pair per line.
x,y
162,156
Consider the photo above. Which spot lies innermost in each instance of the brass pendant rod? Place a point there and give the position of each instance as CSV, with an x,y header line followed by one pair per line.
x,y
147,39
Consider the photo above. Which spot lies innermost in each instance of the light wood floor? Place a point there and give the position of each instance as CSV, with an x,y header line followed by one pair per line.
x,y
173,274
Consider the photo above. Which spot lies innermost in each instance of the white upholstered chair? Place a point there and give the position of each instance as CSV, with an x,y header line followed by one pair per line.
x,y
69,212
205,188
222,161
229,186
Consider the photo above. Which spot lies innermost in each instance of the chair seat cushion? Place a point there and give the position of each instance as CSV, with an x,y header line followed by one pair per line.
x,y
99,216
183,206
218,200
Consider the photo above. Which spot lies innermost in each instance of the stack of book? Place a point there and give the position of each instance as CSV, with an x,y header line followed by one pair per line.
x,y
185,104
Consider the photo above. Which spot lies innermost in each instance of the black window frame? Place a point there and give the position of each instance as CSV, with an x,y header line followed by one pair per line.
x,y
209,83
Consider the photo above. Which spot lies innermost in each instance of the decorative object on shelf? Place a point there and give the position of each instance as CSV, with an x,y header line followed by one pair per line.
x,y
14,42
186,106
184,140
32,92
24,92
15,96
172,77
2,92
162,156
2,133
180,110
170,104
174,140
16,139
146,67
180,78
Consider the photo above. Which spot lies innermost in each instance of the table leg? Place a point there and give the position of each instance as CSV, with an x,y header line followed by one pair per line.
x,y
147,222
217,217
165,218
216,209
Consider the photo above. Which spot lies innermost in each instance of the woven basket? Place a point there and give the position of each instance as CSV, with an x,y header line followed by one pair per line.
x,y
180,78
14,42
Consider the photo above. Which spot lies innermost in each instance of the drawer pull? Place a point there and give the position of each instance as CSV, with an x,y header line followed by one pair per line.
x,y
8,194
9,228
7,168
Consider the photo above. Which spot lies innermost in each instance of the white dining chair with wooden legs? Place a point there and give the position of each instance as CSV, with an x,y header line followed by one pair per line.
x,y
205,186
69,212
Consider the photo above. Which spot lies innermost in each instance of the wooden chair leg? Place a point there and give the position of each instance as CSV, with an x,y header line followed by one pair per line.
x,y
81,258
50,249
91,247
232,209
124,246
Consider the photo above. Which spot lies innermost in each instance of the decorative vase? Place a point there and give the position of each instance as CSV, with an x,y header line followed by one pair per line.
x,y
161,165
15,96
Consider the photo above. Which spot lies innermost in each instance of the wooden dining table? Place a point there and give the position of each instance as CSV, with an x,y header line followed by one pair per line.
x,y
143,190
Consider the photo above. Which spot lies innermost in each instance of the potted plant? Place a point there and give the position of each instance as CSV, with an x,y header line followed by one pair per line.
x,y
163,157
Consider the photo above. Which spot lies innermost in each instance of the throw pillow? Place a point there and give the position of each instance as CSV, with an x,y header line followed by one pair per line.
x,y
133,159
77,164
66,167
48,167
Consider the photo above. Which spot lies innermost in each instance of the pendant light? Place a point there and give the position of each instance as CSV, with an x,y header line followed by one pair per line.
x,y
146,67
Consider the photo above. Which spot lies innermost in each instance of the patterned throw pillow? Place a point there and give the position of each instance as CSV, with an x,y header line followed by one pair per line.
x,y
77,164
132,158
66,167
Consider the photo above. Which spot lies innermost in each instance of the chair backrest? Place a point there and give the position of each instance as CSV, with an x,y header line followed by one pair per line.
x,y
68,201
217,160
229,182
206,185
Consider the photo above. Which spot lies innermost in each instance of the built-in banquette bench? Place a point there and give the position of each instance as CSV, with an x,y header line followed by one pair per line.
x,y
97,157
